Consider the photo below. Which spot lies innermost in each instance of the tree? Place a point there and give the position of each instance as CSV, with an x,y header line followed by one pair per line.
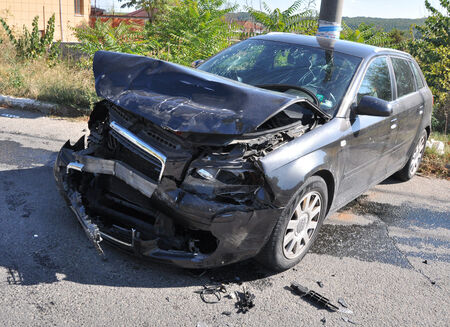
x,y
151,7
300,17
432,51
125,37
368,34
195,29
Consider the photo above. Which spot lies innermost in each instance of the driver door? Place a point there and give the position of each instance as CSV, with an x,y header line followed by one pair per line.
x,y
368,138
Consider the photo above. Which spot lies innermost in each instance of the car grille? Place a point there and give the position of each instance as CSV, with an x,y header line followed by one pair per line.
x,y
133,151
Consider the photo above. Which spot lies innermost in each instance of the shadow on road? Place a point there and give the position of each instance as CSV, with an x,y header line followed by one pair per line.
x,y
41,241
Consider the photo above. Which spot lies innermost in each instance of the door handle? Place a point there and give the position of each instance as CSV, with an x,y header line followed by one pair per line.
x,y
421,109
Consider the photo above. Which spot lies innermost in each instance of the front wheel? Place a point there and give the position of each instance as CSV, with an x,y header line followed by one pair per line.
x,y
414,161
298,226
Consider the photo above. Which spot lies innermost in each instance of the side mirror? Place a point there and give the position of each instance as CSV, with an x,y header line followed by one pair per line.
x,y
197,63
372,106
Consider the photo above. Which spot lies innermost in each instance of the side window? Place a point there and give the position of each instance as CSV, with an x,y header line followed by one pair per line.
x,y
419,79
403,76
377,81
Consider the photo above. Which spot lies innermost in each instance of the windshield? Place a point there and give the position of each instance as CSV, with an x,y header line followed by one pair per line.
x,y
325,73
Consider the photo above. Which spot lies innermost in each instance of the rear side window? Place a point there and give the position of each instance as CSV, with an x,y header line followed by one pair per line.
x,y
419,79
404,77
377,81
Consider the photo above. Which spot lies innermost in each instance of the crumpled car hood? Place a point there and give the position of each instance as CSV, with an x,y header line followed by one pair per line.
x,y
183,99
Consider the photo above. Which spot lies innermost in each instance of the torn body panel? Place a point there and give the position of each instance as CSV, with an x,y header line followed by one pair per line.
x,y
182,99
199,206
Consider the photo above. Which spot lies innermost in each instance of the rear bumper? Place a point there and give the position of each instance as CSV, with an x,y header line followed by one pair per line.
x,y
238,232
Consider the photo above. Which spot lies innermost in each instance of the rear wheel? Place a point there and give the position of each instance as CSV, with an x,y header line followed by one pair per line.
x,y
414,161
297,227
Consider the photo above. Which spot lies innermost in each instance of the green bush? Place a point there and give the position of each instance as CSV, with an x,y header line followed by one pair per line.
x,y
32,45
194,29
103,36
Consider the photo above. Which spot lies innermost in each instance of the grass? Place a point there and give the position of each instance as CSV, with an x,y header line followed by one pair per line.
x,y
63,82
434,164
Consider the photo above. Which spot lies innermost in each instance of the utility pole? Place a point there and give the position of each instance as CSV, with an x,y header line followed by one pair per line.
x,y
330,18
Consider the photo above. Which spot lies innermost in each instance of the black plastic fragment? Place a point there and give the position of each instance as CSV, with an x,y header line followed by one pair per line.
x,y
425,261
245,301
320,284
349,321
212,293
226,313
313,297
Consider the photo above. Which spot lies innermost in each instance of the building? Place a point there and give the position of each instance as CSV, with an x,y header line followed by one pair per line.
x,y
138,17
248,27
68,14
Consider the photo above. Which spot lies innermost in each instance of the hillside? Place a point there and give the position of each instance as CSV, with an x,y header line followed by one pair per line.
x,y
386,23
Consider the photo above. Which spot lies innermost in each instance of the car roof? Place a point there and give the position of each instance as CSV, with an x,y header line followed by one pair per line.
x,y
347,47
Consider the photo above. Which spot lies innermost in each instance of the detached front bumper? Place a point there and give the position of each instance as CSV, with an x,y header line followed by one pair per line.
x,y
237,232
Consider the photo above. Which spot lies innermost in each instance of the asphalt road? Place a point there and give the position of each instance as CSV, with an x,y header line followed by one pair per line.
x,y
371,254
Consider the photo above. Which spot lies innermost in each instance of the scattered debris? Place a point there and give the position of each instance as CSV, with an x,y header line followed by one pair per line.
x,y
9,116
438,146
245,301
167,299
342,302
349,321
201,324
323,320
425,262
433,282
313,297
212,293
35,235
345,308
231,295
226,313
320,284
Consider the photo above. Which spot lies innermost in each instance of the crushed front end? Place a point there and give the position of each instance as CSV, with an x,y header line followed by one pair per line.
x,y
184,199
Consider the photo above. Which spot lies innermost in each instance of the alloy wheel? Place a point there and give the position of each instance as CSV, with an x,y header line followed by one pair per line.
x,y
302,225
417,156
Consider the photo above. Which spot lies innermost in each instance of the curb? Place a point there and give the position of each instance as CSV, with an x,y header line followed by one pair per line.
x,y
42,107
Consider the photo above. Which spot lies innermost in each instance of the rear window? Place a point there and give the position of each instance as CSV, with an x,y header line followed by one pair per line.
x,y
419,79
404,77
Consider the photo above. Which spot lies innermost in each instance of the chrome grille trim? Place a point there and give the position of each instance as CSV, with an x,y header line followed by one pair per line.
x,y
141,145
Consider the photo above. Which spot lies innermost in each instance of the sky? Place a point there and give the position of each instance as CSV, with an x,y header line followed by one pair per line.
x,y
369,8
352,8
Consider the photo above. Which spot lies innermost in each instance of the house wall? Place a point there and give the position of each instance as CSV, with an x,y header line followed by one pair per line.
x,y
21,12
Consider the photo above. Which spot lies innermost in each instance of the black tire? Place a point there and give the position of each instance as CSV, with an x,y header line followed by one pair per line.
x,y
273,255
411,167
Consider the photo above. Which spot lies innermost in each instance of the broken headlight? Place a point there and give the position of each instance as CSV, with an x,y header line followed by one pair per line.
x,y
231,184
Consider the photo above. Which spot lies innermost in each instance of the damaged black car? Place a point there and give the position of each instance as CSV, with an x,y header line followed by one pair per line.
x,y
247,153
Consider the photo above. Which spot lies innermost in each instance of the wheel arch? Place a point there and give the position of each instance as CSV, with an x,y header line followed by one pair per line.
x,y
329,180
428,129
